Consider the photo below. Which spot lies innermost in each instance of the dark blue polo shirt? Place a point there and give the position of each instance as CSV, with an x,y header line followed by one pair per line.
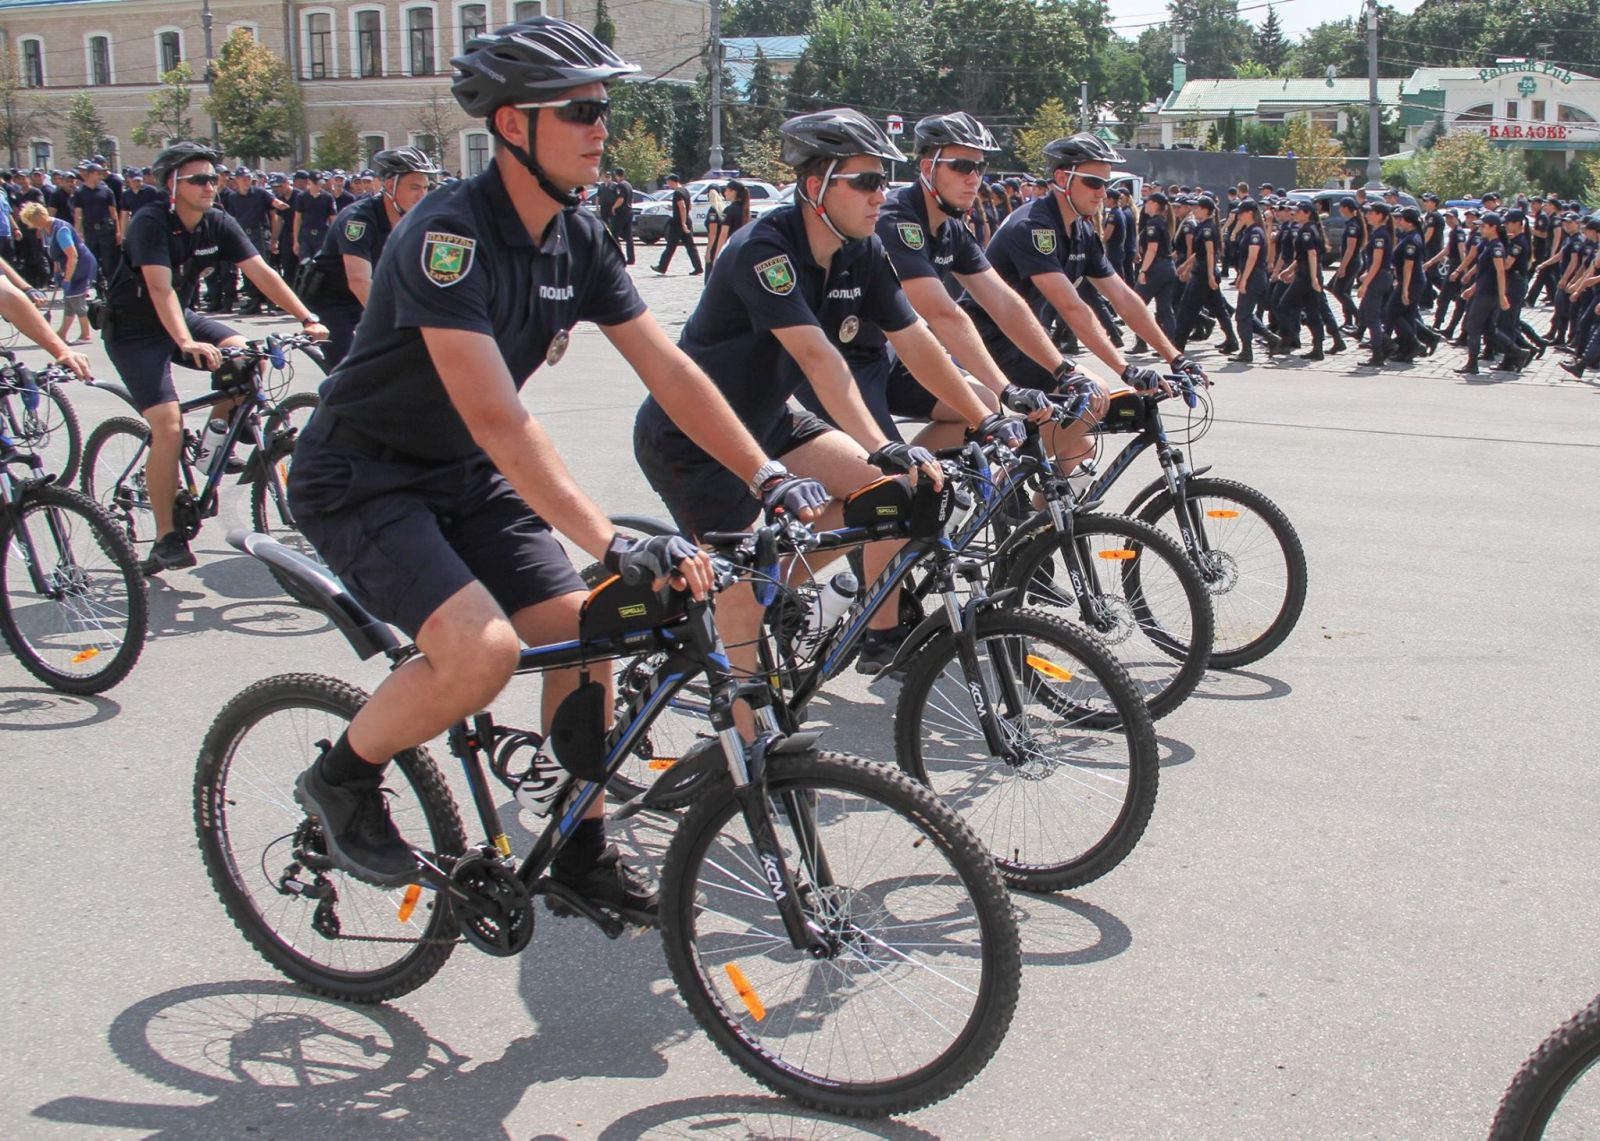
x,y
1488,281
1520,250
99,205
360,230
1307,238
1153,232
251,208
1408,250
766,279
462,259
147,195
1377,242
155,236
315,210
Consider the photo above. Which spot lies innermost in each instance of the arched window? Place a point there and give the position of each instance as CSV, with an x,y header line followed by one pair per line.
x,y
97,59
368,55
420,22
31,51
169,49
319,54
1482,113
1569,114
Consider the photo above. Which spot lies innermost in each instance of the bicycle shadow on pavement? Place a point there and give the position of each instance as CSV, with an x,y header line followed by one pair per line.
x,y
735,1118
1240,685
25,709
175,612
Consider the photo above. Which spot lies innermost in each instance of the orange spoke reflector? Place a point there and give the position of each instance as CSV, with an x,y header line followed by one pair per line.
x,y
746,992
409,903
1222,514
661,764
1119,556
84,655
283,470
1048,668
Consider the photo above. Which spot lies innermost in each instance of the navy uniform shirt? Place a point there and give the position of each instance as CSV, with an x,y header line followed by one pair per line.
x,y
251,208
99,206
1378,241
315,210
1206,246
766,279
1432,233
1253,237
1153,232
1455,246
1115,231
1130,232
1542,224
1520,250
361,231
916,248
678,207
1488,281
147,195
463,260
1184,240
155,236
1408,257
1307,237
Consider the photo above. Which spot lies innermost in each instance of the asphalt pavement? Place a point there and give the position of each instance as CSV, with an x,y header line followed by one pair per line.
x,y
1367,891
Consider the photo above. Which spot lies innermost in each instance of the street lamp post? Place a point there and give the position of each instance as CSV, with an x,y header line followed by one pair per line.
x,y
1374,163
205,23
716,85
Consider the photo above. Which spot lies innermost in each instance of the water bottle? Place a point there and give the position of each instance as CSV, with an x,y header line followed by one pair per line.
x,y
541,785
210,443
830,605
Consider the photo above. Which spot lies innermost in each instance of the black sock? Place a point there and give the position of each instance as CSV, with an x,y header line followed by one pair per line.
x,y
584,847
341,764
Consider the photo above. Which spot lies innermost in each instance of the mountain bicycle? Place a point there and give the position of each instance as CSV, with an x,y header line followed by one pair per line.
x,y
1549,1095
1246,549
1026,725
264,419
835,928
72,599
36,414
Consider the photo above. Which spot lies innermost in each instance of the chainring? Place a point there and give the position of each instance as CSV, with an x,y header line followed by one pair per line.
x,y
186,516
495,915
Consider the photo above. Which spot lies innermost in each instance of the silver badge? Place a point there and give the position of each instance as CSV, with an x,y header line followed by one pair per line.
x,y
558,348
849,328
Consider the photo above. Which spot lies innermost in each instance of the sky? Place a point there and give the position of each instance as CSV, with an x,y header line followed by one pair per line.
x,y
1128,16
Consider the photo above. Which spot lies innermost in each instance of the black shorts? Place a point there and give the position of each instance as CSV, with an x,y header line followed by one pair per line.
x,y
144,361
405,536
700,493
887,389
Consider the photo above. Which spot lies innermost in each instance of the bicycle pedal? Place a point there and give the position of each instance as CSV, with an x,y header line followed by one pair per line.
x,y
564,903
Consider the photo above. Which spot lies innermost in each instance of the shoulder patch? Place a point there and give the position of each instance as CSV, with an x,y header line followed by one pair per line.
x,y
446,258
776,275
1044,241
354,228
911,235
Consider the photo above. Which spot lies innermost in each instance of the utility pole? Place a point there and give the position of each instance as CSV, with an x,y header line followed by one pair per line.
x,y
1083,103
1374,112
205,23
716,85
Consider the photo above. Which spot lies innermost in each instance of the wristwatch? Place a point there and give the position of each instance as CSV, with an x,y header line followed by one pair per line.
x,y
310,319
764,475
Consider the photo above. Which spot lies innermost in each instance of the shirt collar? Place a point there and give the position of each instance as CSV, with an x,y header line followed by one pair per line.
x,y
508,221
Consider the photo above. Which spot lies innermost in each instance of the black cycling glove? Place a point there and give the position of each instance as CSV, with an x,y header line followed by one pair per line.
x,y
1008,430
1182,364
897,458
1065,373
1141,377
646,560
1024,400
793,494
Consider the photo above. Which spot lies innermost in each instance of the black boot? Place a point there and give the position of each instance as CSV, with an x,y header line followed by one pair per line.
x,y
1470,368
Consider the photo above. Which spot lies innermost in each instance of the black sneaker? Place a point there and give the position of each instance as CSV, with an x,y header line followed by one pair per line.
x,y
878,648
169,552
1574,368
611,884
361,839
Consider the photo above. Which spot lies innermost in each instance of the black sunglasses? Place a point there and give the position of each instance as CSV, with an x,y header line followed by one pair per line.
x,y
1093,182
866,181
965,165
586,112
199,179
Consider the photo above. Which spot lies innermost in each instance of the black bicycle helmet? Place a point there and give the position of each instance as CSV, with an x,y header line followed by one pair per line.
x,y
170,160
526,63
1082,147
839,133
957,129
396,161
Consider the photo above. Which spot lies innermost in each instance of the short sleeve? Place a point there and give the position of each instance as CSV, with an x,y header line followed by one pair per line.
x,y
883,301
969,256
908,246
439,278
64,240
1033,249
1253,238
1095,262
145,242
611,298
355,236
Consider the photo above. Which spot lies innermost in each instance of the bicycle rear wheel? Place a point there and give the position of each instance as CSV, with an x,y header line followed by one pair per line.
x,y
86,628
1252,563
1550,1097
329,932
113,476
921,980
270,514
48,430
1147,603
1075,785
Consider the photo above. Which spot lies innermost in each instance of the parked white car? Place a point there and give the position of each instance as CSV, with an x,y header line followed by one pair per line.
x,y
650,220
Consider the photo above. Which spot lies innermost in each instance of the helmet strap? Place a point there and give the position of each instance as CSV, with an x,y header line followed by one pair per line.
x,y
383,187
817,207
927,183
567,198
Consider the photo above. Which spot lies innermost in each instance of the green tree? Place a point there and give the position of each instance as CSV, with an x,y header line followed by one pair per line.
x,y
1262,138
763,105
1252,69
1050,121
875,54
767,17
340,143
761,157
605,28
1463,164
638,152
1230,132
1319,157
85,127
22,116
437,118
1272,46
1217,39
1338,43
1154,49
255,100
1122,84
1391,136
168,116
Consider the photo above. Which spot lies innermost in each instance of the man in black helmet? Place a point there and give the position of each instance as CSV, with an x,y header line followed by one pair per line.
x,y
151,319
1046,249
791,293
340,276
430,489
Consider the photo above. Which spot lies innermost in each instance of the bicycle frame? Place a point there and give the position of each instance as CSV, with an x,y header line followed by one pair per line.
x,y
12,498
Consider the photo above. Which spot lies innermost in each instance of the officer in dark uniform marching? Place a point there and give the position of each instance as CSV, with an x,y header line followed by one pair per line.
x,y
339,279
622,214
1201,294
1155,274
313,214
680,228
1404,314
1488,298
1348,271
1253,290
1377,281
94,209
251,207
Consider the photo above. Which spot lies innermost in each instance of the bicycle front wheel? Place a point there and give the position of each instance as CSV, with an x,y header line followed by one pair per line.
x,y
73,606
113,476
920,980
1549,1096
1251,560
270,514
1071,787
267,860
1145,601
49,430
